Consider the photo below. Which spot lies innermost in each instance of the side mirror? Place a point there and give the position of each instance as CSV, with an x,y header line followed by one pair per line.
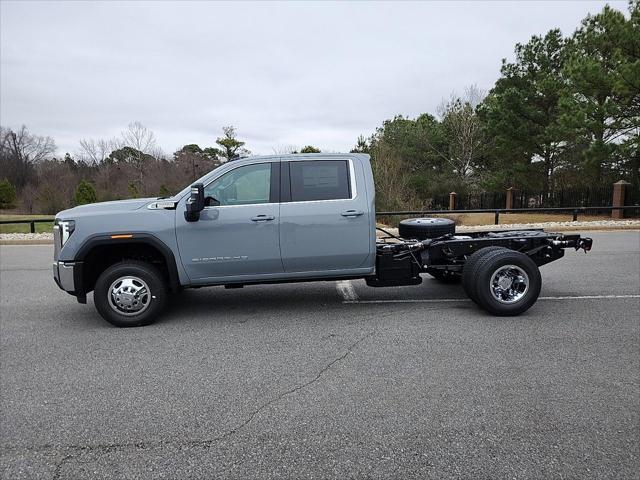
x,y
195,203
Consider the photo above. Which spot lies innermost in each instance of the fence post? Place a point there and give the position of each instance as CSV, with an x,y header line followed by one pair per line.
x,y
496,218
618,198
452,200
32,227
510,192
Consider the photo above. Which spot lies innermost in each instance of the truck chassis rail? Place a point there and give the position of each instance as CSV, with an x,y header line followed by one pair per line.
x,y
400,261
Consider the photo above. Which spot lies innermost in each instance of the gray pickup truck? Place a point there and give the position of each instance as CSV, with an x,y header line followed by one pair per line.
x,y
285,218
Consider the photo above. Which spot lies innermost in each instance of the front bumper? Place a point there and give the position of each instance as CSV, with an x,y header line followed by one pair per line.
x,y
64,275
68,276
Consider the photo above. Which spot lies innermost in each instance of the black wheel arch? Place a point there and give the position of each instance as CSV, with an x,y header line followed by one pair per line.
x,y
141,243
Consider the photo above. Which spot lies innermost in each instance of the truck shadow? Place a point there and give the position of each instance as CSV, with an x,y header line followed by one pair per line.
x,y
235,305
302,300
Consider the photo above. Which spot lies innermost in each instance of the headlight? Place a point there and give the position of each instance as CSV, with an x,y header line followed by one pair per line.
x,y
66,229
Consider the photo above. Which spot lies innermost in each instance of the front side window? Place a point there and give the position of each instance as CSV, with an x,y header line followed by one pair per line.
x,y
319,180
243,186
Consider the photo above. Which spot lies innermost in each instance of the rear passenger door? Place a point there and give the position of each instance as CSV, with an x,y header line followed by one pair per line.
x,y
324,216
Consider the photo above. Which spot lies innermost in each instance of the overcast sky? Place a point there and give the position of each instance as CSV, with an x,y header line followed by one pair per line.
x,y
281,73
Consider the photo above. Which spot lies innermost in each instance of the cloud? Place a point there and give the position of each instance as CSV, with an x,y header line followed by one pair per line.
x,y
282,73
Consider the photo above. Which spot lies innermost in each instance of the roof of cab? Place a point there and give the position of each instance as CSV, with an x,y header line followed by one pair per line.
x,y
319,156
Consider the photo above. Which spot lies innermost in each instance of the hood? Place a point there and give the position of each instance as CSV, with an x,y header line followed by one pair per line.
x,y
105,207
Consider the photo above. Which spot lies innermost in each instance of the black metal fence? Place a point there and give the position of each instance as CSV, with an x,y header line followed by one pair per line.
x,y
32,223
596,196
471,201
632,195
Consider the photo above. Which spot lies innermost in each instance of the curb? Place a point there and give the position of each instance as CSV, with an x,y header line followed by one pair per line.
x,y
27,242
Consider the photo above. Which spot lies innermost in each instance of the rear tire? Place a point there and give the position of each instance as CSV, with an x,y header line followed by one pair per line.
x,y
130,294
469,271
507,283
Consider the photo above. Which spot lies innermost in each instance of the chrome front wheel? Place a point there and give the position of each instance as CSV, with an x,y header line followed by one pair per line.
x,y
129,295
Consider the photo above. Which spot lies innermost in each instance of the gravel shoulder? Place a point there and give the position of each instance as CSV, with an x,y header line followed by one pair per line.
x,y
558,226
26,238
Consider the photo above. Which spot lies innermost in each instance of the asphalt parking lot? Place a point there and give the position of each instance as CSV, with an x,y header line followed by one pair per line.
x,y
326,380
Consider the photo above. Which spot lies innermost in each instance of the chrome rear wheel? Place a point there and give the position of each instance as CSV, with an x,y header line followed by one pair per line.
x,y
509,284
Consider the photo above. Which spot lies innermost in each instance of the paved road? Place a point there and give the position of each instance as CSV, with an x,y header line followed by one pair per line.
x,y
289,381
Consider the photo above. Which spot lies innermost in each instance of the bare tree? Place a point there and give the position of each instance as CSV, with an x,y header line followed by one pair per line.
x,y
393,179
131,152
464,132
96,151
20,150
27,198
284,149
139,137
136,136
56,186
143,141
32,148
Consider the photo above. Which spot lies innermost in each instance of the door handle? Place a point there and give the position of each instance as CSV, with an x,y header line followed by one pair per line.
x,y
352,213
263,218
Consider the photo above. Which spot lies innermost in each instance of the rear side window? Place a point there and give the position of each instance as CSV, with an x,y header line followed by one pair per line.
x,y
319,180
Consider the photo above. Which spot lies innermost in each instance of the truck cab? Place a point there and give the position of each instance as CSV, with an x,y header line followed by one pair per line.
x,y
269,218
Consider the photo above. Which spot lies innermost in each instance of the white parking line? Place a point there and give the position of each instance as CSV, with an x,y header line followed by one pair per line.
x,y
449,300
345,288
580,297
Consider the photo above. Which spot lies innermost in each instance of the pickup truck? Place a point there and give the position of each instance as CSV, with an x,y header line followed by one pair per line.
x,y
283,218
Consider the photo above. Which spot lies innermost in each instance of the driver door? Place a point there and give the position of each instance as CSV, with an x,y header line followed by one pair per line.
x,y
237,235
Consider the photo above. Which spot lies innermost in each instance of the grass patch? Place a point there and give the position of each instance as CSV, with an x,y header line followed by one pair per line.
x,y
44,227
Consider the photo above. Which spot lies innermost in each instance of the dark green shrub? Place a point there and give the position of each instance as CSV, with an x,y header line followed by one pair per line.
x,y
85,193
7,194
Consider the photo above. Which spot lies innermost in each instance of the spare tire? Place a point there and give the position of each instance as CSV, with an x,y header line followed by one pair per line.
x,y
423,228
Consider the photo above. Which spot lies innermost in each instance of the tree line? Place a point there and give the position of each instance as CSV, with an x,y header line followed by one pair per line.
x,y
564,113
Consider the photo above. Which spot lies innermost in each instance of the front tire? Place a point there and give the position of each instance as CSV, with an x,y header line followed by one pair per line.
x,y
130,294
